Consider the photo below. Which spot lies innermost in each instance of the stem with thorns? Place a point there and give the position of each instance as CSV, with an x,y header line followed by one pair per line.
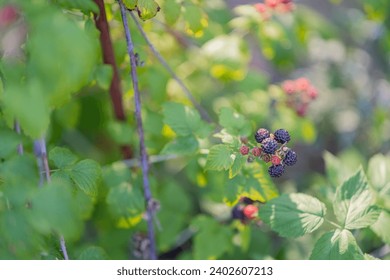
x,y
43,164
140,130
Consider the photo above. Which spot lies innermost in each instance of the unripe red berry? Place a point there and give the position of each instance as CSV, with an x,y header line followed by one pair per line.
x,y
8,14
261,8
250,211
256,151
244,150
272,3
266,157
302,84
312,92
275,160
288,87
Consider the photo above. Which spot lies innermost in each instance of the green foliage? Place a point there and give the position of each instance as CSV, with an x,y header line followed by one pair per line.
x,y
293,215
353,205
337,245
209,229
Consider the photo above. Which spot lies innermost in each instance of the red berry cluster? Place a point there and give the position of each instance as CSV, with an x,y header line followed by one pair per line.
x,y
8,14
269,6
245,210
300,93
271,148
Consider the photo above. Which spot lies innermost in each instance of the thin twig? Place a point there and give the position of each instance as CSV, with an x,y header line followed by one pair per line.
x,y
186,91
18,131
109,58
43,164
140,130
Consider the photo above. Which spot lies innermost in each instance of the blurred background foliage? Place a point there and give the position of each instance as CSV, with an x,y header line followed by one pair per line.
x,y
229,56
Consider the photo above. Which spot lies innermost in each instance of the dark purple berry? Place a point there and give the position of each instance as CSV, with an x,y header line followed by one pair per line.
x,y
276,170
290,158
246,200
282,136
269,146
261,134
237,212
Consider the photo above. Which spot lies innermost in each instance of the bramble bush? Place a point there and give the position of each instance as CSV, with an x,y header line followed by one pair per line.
x,y
190,129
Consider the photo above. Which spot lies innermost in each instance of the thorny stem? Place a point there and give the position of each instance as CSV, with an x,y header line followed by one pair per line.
x,y
109,58
186,91
43,164
144,155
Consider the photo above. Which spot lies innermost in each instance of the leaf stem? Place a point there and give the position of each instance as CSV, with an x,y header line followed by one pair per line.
x,y
43,164
140,130
333,223
157,54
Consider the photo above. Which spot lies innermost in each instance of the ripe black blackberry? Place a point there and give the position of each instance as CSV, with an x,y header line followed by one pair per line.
x,y
282,136
269,146
276,170
261,134
290,158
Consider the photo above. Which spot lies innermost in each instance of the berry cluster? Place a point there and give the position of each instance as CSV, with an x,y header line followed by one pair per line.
x,y
272,149
300,93
269,6
245,210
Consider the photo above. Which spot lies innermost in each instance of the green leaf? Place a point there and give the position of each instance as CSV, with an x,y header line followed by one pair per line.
x,y
353,205
53,209
239,162
126,203
382,226
103,76
172,11
147,9
212,239
115,174
9,140
93,253
293,215
182,119
130,4
337,245
87,6
173,216
234,123
28,105
258,185
86,175
185,145
121,132
219,158
336,171
62,157
193,16
18,235
378,172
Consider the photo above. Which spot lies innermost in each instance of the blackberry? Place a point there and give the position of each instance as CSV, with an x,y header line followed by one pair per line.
x,y
290,158
237,212
261,134
276,170
269,146
282,136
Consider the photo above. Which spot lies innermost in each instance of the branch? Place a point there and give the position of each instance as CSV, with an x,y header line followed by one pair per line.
x,y
18,131
43,164
109,58
144,155
186,91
